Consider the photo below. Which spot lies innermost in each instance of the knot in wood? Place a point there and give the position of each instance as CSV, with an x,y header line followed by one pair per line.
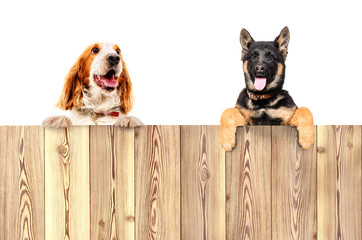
x,y
321,149
102,223
205,175
62,150
130,218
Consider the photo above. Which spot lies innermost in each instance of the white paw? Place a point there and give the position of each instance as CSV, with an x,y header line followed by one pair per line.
x,y
57,122
128,121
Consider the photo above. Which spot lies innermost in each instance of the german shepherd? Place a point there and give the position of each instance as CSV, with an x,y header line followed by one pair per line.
x,y
263,101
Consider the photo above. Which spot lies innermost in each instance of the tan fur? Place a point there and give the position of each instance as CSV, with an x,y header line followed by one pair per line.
x,y
247,114
280,70
277,77
273,103
245,40
303,120
283,41
231,118
283,113
248,78
245,67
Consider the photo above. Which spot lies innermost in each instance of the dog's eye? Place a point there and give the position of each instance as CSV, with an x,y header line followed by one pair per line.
x,y
255,54
95,50
118,51
268,55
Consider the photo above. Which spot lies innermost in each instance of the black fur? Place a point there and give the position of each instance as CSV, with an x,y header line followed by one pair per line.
x,y
264,60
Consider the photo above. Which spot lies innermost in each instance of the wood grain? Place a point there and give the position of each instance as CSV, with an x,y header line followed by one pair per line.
x,y
157,175
21,183
294,187
339,182
112,182
248,185
174,182
67,183
202,183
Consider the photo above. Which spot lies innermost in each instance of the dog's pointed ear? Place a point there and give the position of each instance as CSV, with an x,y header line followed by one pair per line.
x,y
72,91
245,40
282,42
126,94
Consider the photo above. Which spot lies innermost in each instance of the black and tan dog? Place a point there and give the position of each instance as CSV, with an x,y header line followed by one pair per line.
x,y
263,101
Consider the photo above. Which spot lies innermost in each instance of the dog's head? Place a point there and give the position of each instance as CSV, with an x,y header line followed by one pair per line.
x,y
263,62
100,69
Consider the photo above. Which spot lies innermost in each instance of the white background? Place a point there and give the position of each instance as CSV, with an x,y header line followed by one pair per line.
x,y
183,56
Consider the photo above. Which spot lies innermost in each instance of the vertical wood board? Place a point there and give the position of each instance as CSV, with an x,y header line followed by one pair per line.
x,y
202,183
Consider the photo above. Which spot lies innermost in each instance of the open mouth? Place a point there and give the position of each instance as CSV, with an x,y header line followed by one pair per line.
x,y
108,82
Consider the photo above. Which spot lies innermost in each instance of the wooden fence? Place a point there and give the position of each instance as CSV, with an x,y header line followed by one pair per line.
x,y
175,182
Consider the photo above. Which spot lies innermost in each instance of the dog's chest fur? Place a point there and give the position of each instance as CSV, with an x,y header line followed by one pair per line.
x,y
277,110
95,107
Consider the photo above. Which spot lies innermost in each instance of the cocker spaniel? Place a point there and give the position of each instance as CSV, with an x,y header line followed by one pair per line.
x,y
97,90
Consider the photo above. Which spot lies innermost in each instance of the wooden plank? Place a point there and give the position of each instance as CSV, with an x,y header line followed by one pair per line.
x,y
112,182
21,183
157,175
293,186
339,182
67,183
202,183
248,185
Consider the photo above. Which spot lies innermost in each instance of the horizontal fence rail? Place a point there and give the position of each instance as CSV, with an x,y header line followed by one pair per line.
x,y
176,182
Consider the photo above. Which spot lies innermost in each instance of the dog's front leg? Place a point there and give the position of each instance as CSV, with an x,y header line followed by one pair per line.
x,y
128,121
231,118
57,122
303,120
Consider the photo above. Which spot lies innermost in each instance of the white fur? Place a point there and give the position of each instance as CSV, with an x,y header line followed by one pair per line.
x,y
97,102
99,65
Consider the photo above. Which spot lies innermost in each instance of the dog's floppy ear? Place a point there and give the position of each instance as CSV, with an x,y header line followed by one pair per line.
x,y
72,91
126,94
282,42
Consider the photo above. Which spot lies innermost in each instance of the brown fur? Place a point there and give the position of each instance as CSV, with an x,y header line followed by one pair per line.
x,y
231,118
126,89
303,120
78,77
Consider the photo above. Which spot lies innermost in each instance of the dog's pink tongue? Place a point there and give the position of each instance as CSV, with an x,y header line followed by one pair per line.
x,y
260,83
110,82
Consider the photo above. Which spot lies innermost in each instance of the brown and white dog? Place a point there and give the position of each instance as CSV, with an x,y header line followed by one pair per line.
x,y
97,90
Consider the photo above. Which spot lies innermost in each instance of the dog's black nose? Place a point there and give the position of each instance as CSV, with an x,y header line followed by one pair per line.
x,y
113,59
259,68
